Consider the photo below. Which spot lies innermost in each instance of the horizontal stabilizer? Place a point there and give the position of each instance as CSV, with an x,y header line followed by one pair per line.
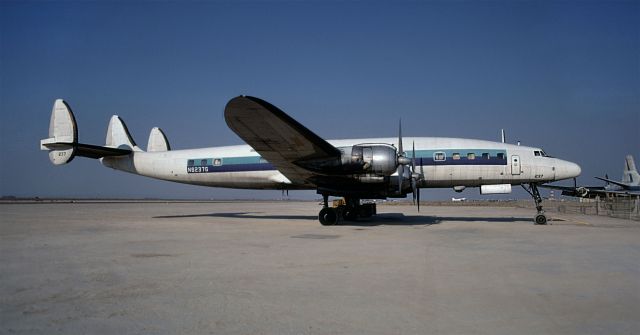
x,y
157,141
95,151
62,142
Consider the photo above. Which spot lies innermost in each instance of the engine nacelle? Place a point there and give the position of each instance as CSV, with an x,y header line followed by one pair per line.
x,y
375,159
361,160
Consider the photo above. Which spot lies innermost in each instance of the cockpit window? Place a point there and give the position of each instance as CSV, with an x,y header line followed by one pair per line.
x,y
536,153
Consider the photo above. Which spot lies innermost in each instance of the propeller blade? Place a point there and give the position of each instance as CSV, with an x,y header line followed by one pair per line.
x,y
418,196
400,151
575,183
413,157
413,190
400,175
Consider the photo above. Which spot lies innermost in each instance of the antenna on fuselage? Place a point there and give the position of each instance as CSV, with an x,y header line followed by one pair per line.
x,y
502,136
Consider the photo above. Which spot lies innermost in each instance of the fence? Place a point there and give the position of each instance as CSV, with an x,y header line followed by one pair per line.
x,y
618,207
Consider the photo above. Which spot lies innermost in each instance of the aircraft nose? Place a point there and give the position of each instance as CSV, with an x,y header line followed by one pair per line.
x,y
574,170
568,170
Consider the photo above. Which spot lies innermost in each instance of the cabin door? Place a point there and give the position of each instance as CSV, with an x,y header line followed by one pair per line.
x,y
515,165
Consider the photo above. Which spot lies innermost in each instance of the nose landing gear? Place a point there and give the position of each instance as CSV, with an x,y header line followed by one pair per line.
x,y
540,217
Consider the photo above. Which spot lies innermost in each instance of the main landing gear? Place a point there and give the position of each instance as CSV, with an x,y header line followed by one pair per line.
x,y
540,217
350,210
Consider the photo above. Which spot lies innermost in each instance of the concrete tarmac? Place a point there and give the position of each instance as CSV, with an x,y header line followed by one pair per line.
x,y
271,268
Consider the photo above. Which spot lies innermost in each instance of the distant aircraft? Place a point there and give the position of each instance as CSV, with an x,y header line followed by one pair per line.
x,y
629,186
283,154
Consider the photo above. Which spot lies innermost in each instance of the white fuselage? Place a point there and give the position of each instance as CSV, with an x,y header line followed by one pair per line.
x,y
446,162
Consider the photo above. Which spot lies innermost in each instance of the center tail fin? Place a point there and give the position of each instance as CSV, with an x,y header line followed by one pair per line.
x,y
63,145
118,135
157,141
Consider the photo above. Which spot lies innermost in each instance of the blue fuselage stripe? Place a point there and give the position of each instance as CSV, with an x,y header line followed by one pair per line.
x,y
423,157
429,161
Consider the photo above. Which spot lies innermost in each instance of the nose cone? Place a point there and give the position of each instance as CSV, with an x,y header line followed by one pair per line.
x,y
567,170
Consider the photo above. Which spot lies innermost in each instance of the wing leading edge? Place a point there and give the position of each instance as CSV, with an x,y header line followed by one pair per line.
x,y
277,137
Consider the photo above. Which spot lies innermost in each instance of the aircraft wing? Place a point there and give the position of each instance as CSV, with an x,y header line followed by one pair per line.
x,y
623,185
578,191
588,191
277,137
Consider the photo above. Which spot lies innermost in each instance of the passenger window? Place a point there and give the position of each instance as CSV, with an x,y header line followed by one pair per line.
x,y
455,156
190,162
439,156
217,162
537,153
485,155
500,155
471,156
203,162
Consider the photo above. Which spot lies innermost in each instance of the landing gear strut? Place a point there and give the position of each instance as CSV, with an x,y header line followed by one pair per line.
x,y
351,210
540,217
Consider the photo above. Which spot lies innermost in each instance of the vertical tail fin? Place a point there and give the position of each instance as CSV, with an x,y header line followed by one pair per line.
x,y
157,141
63,134
118,135
630,174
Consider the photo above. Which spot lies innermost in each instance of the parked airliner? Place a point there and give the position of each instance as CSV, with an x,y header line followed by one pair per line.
x,y
628,186
283,154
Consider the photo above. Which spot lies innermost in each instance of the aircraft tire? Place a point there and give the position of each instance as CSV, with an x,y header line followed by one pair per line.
x,y
351,214
366,211
540,219
328,216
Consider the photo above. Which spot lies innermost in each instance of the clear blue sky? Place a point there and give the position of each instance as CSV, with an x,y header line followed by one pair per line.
x,y
561,75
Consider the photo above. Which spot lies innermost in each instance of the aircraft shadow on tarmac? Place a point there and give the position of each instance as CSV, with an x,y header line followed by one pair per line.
x,y
390,219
